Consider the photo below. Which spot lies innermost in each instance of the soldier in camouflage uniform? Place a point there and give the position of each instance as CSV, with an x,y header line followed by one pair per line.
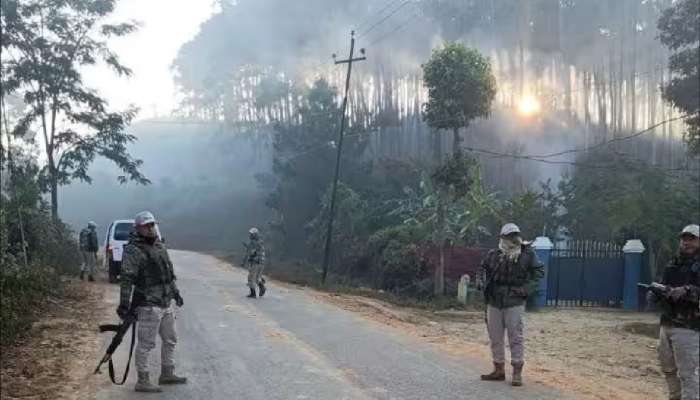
x,y
88,249
505,275
679,337
147,269
255,258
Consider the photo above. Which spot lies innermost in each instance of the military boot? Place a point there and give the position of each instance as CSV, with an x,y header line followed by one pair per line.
x,y
517,374
82,275
498,374
90,278
252,293
262,289
143,384
167,377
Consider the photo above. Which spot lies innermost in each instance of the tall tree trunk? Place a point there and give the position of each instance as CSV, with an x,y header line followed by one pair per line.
x,y
600,91
456,141
586,108
437,147
440,269
13,185
620,80
53,176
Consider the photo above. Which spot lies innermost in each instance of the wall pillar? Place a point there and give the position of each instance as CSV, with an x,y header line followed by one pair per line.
x,y
543,248
633,272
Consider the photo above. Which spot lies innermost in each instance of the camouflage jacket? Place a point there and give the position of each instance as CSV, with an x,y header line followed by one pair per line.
x,y
685,313
255,252
148,270
506,283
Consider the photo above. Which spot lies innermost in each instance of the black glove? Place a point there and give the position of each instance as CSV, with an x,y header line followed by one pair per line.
x,y
123,311
178,300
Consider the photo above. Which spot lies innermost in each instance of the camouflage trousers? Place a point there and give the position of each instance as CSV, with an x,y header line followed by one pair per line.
x,y
255,276
154,321
679,354
89,262
500,321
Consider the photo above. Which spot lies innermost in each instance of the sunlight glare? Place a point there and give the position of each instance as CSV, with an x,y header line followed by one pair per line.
x,y
528,106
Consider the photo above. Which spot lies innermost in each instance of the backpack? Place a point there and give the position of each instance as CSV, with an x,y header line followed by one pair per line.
x,y
84,239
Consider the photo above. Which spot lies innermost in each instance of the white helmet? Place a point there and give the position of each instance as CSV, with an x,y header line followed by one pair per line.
x,y
254,231
509,228
92,224
144,218
691,230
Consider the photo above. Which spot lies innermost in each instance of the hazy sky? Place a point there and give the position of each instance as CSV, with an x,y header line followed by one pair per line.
x,y
149,52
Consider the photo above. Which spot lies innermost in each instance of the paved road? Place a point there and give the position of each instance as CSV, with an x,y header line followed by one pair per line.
x,y
290,346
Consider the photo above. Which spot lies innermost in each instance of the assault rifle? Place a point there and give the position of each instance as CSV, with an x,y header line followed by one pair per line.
x,y
661,291
656,288
120,331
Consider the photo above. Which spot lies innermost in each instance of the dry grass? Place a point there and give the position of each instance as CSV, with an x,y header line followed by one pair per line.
x,y
55,359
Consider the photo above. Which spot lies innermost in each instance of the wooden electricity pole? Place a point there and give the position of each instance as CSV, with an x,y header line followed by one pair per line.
x,y
329,232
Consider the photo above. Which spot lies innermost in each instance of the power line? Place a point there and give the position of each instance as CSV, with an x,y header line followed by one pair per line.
x,y
523,157
396,29
369,18
666,171
607,142
382,20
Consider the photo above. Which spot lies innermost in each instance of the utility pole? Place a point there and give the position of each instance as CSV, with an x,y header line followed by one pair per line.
x,y
329,232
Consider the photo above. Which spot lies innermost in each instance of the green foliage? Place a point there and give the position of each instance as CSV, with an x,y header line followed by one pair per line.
x,y
27,229
460,85
51,42
679,30
397,262
627,199
403,269
475,212
304,159
454,176
24,290
350,222
535,212
26,215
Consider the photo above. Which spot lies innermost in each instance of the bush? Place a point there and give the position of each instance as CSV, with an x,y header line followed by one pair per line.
x,y
402,268
23,290
397,263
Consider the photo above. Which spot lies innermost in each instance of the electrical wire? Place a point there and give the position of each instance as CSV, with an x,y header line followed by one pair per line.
x,y
367,19
384,19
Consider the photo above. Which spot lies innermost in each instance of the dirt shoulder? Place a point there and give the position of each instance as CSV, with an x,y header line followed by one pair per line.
x,y
56,358
588,354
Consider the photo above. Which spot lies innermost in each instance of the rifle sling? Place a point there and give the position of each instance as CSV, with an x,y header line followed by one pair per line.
x,y
128,363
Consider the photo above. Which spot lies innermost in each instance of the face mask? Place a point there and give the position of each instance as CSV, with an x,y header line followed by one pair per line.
x,y
511,247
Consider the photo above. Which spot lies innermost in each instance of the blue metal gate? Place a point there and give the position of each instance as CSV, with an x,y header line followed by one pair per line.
x,y
586,274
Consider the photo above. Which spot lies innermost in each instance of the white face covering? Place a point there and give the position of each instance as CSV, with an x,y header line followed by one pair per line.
x,y
511,247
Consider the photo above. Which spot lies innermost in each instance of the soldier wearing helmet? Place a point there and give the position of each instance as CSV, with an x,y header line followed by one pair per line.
x,y
147,270
679,337
505,275
88,249
255,260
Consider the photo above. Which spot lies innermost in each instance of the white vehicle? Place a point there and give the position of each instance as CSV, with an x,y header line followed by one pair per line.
x,y
117,236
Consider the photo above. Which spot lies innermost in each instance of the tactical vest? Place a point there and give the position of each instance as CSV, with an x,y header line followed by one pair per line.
x,y
507,281
508,273
157,270
678,273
